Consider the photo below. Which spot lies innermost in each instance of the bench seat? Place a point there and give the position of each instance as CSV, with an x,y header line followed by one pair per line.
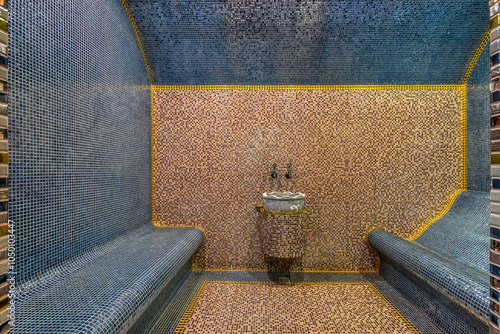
x,y
107,289
446,266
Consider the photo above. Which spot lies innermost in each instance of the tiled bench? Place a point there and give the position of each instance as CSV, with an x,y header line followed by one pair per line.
x,y
445,270
110,288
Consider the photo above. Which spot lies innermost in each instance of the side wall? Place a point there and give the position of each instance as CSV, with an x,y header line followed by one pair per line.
x,y
478,125
79,130
364,159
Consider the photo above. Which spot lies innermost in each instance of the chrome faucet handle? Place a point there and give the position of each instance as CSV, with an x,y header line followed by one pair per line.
x,y
288,174
274,174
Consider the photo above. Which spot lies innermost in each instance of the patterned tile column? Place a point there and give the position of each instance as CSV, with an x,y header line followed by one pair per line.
x,y
283,235
4,160
495,165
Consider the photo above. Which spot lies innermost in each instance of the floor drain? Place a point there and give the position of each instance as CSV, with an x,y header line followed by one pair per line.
x,y
284,280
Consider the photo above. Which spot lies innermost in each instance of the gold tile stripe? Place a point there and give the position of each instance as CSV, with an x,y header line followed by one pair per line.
x,y
181,326
368,271
189,311
495,158
139,40
305,87
434,219
463,124
394,309
485,41
153,153
299,213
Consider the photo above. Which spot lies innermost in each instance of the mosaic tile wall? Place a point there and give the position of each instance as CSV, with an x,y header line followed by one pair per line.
x,y
478,124
315,42
79,132
364,159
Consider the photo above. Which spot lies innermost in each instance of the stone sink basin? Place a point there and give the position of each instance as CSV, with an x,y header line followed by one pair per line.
x,y
283,202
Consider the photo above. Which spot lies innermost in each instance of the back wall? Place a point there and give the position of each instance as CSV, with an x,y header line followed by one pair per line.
x,y
364,157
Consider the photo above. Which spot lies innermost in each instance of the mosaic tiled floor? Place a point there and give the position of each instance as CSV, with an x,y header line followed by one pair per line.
x,y
301,308
249,302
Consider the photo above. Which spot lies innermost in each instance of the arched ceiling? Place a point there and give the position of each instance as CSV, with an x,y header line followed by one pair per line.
x,y
313,42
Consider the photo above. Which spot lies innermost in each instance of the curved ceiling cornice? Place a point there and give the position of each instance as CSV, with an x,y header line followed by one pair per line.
x,y
294,42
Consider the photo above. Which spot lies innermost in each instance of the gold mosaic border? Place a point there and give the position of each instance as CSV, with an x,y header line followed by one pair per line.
x,y
181,326
431,221
305,87
367,271
463,124
132,22
479,50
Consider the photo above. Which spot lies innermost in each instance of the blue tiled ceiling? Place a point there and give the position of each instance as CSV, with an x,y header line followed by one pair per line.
x,y
310,42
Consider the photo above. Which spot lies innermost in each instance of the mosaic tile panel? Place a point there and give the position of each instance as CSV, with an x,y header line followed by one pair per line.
x,y
243,307
79,129
282,236
310,42
364,159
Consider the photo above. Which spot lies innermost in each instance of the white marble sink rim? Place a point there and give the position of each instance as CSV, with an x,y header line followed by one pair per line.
x,y
283,202
283,196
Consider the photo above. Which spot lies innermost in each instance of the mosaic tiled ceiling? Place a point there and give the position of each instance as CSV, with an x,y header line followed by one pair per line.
x,y
309,42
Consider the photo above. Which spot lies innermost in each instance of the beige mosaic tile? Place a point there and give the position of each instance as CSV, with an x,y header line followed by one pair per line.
x,y
385,158
245,307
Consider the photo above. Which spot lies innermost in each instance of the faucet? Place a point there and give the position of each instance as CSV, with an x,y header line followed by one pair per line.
x,y
288,174
274,174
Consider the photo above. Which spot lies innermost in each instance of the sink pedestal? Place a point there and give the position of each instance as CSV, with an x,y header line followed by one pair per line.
x,y
283,235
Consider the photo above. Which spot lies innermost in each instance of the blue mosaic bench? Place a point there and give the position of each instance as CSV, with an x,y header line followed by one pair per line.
x,y
445,271
113,288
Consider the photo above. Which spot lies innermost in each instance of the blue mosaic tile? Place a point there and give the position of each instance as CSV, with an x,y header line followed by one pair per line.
x,y
468,286
449,258
310,42
107,289
462,234
478,125
451,317
79,129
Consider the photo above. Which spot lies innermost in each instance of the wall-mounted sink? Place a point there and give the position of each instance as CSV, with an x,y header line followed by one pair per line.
x,y
283,202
